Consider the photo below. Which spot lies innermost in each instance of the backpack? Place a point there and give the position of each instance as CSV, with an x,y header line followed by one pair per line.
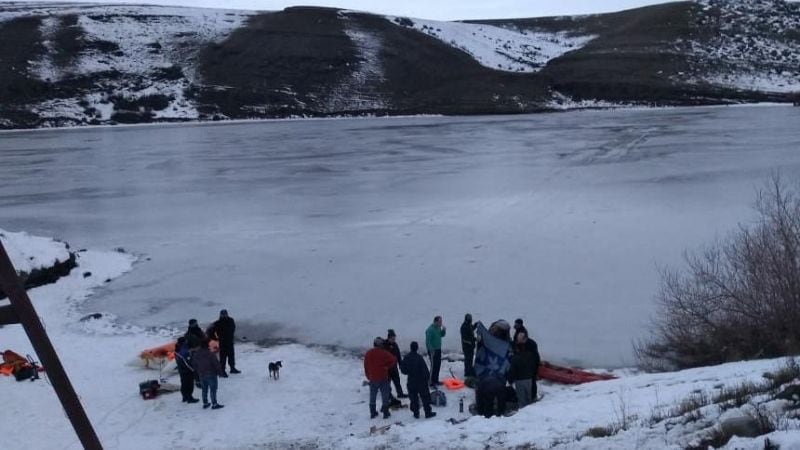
x,y
149,389
438,398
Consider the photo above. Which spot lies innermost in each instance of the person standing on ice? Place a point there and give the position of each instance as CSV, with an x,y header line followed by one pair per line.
x,y
223,330
390,344
433,342
185,371
414,366
468,345
524,366
207,367
377,363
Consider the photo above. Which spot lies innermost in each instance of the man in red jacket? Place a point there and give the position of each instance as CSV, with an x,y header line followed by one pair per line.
x,y
377,363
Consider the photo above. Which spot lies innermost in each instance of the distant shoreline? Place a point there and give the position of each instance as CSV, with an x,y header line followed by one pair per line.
x,y
200,122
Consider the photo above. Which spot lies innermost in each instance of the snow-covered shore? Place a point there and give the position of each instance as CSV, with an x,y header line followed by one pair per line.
x,y
319,400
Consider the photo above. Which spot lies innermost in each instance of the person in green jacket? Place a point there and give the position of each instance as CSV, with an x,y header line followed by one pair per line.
x,y
433,342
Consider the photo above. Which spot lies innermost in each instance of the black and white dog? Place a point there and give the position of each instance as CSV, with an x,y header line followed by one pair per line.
x,y
275,370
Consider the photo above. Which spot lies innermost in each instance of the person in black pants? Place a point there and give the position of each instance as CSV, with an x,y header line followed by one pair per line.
x,y
414,366
491,396
468,345
224,329
433,342
390,344
183,361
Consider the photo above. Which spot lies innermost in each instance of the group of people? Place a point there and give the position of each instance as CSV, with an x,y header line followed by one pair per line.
x,y
512,376
198,365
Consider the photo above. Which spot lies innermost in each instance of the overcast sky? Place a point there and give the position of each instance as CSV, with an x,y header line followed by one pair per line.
x,y
429,9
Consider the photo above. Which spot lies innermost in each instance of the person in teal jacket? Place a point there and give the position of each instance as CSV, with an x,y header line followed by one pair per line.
x,y
433,342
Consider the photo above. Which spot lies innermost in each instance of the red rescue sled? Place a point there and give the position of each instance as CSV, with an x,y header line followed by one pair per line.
x,y
568,375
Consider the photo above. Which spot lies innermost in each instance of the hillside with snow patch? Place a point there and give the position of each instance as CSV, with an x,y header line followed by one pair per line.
x,y
89,64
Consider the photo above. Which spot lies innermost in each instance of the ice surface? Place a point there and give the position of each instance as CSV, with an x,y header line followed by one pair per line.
x,y
332,231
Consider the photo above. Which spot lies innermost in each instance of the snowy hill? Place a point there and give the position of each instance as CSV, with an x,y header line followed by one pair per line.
x,y
76,64
320,402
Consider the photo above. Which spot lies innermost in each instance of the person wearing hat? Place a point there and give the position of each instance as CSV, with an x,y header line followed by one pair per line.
x,y
194,335
390,344
519,328
377,363
222,330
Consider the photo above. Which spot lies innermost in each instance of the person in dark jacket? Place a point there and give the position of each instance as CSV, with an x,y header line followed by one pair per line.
x,y
414,366
524,366
185,371
519,328
207,367
390,344
223,330
194,335
490,396
468,345
377,363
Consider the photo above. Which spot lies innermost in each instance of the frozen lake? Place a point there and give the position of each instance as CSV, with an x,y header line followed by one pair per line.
x,y
332,231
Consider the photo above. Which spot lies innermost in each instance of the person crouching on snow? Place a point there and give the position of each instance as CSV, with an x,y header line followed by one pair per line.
x,y
207,367
377,363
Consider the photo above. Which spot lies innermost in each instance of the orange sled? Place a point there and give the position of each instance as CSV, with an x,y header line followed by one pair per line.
x,y
453,384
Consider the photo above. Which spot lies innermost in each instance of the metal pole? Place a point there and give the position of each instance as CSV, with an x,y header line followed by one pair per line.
x,y
21,303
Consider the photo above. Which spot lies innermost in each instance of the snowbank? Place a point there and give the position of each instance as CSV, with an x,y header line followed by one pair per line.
x,y
319,401
29,253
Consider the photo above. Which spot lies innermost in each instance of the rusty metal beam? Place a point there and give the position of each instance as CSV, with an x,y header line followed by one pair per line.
x,y
8,316
23,309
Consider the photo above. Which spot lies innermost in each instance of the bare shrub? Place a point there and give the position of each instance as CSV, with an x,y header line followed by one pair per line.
x,y
736,299
602,432
788,373
739,394
692,403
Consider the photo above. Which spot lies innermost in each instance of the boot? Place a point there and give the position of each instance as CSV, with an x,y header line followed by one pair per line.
x,y
217,406
192,400
430,414
235,370
386,413
373,413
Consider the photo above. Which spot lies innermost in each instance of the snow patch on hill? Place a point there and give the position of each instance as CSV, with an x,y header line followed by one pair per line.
x,y
510,50
135,53
359,92
755,46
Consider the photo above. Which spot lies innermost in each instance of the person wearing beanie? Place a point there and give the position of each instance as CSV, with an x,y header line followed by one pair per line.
x,y
223,330
414,366
390,344
519,328
194,335
468,343
377,363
